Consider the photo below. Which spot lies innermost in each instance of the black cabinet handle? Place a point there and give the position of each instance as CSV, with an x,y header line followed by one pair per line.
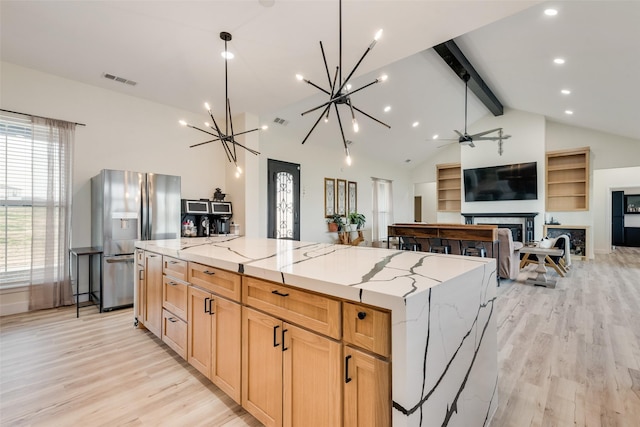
x,y
346,369
207,310
275,328
141,274
209,273
279,294
172,319
172,284
173,262
283,347
362,315
210,301
151,255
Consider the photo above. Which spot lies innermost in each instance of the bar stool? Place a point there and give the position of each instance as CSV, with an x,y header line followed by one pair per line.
x,y
474,249
410,246
442,246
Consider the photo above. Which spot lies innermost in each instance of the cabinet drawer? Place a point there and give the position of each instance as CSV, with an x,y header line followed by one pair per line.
x,y
367,328
139,257
316,312
221,282
174,333
174,267
174,296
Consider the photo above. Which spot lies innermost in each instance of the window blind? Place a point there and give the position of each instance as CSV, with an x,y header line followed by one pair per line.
x,y
31,175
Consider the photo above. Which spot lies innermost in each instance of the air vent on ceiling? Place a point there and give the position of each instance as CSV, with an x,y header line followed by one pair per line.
x,y
280,121
119,79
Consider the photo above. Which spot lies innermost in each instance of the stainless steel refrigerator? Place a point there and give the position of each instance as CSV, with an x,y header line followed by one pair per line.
x,y
128,206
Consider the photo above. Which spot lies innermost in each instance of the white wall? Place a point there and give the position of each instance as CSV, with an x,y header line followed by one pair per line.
x,y
327,159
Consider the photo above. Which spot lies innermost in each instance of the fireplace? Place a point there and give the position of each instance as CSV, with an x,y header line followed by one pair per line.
x,y
520,224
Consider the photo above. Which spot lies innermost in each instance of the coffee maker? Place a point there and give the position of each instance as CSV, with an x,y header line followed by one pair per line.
x,y
196,218
221,214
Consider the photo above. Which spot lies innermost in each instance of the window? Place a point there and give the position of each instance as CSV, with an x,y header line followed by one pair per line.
x,y
382,208
34,201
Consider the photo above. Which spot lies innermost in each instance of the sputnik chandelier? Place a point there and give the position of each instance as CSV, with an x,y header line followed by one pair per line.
x,y
340,90
226,138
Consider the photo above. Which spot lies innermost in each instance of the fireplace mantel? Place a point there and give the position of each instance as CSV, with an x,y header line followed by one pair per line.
x,y
527,216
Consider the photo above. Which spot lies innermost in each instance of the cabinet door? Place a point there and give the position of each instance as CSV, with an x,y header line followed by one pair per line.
x,y
199,332
262,367
140,298
367,391
226,345
312,394
153,303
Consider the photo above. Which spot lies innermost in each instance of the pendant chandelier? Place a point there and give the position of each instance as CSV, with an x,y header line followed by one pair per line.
x,y
226,137
340,90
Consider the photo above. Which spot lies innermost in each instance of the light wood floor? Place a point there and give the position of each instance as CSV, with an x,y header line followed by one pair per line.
x,y
568,356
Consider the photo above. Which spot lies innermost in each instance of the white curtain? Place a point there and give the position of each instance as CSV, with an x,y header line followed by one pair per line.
x,y
382,209
36,156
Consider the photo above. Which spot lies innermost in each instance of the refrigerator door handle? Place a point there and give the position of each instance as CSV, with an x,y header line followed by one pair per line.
x,y
111,260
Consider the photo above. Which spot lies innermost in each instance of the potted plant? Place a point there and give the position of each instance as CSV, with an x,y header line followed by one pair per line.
x,y
336,223
356,219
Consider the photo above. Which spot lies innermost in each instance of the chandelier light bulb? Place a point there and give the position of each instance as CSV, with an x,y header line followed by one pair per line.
x,y
300,77
387,108
206,105
348,86
326,119
356,128
265,127
207,124
348,160
378,35
182,122
238,169
383,78
227,55
237,175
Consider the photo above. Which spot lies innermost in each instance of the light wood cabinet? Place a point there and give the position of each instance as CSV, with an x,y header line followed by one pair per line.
x,y
367,390
174,296
174,267
567,180
367,327
291,376
319,313
220,282
214,339
174,333
152,318
449,187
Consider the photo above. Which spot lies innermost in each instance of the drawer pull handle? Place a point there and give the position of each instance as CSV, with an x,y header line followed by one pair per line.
x,y
283,347
140,274
346,369
173,262
172,284
207,306
210,310
151,255
275,334
362,315
279,294
172,319
209,273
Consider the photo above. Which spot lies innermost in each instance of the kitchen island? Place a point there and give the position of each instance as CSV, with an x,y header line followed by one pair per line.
x,y
443,343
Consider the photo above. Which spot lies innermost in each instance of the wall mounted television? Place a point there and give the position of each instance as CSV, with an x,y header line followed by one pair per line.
x,y
496,183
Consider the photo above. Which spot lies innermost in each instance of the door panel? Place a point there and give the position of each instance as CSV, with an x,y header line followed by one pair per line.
x,y
225,364
283,191
199,330
163,193
118,274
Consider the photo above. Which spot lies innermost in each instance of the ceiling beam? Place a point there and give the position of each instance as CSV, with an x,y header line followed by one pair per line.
x,y
453,56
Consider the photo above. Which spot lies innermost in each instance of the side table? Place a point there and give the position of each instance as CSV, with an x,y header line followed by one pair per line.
x,y
90,252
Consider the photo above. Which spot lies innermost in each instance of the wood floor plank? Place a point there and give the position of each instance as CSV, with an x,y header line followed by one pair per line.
x,y
568,356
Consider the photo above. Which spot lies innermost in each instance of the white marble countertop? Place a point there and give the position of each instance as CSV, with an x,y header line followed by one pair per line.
x,y
375,276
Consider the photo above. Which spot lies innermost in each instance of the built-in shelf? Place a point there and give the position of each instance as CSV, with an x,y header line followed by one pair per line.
x,y
567,180
449,183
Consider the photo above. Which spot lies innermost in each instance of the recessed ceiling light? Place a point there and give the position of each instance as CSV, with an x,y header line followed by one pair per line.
x,y
550,12
568,112
435,136
565,91
227,55
415,124
558,61
387,108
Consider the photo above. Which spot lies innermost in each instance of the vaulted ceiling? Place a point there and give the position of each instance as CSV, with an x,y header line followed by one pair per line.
x,y
172,50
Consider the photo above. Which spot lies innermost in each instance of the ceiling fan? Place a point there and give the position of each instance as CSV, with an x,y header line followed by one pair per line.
x,y
465,138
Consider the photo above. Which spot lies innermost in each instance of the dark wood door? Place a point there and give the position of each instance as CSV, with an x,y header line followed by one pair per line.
x,y
283,190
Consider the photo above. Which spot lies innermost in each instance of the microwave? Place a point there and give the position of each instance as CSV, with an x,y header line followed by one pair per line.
x,y
221,208
195,207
